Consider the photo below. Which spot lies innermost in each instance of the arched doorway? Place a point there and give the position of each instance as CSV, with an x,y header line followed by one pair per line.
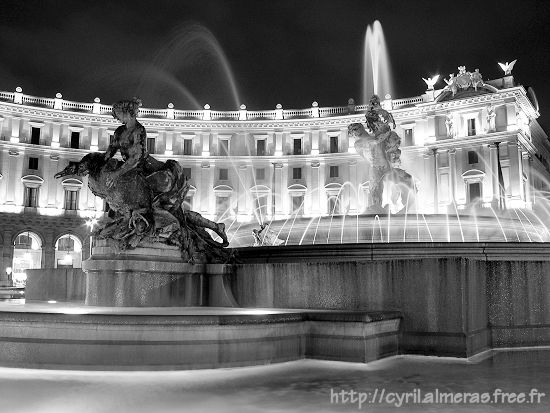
x,y
68,252
27,254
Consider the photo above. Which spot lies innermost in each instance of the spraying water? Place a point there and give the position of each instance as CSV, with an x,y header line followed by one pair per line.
x,y
377,79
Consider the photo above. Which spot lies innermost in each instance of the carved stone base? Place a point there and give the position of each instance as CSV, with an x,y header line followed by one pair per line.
x,y
153,276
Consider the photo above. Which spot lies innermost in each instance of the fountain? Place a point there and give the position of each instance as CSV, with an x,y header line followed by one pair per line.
x,y
376,64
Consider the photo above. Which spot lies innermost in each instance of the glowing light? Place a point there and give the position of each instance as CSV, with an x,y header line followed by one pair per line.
x,y
52,302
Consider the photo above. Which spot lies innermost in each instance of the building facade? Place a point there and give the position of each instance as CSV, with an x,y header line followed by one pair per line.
x,y
471,144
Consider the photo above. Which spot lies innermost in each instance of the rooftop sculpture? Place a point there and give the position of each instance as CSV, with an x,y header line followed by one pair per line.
x,y
146,195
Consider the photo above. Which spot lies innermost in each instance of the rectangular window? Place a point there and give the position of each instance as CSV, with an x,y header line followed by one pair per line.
x,y
471,127
224,174
188,146
222,205
71,200
296,173
31,197
333,171
33,163
333,205
151,143
409,136
334,144
187,172
75,140
260,147
298,205
260,174
443,159
35,136
472,157
474,191
297,146
224,147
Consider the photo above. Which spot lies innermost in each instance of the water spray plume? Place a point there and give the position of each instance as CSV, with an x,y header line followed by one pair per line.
x,y
377,79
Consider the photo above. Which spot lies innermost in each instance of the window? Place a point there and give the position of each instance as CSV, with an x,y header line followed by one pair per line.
x,y
188,146
71,199
297,146
333,144
75,140
224,147
33,163
472,157
443,159
35,136
222,205
296,173
151,143
471,127
409,136
223,174
31,197
298,204
333,205
260,174
260,147
474,191
333,172
187,172
65,243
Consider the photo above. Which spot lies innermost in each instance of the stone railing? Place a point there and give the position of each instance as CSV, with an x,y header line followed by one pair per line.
x,y
96,107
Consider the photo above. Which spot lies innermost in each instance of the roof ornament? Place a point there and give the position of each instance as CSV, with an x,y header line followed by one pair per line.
x,y
431,81
507,67
463,80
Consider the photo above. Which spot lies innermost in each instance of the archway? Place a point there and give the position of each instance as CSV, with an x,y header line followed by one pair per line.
x,y
27,254
68,252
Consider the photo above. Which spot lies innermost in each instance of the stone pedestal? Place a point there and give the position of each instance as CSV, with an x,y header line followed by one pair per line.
x,y
155,276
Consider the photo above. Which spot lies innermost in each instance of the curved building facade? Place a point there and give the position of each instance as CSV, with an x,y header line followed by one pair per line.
x,y
475,145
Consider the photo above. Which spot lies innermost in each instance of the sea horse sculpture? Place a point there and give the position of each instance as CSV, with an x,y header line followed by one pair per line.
x,y
380,148
146,195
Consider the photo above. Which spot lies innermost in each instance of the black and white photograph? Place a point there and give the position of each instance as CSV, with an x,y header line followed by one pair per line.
x,y
258,206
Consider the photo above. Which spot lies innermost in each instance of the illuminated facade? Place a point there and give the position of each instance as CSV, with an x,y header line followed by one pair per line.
x,y
260,165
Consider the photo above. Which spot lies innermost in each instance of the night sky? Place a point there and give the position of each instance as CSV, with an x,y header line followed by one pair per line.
x,y
288,52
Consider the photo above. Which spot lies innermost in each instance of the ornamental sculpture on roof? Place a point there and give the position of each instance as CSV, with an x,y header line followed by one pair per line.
x,y
146,195
463,80
507,67
380,147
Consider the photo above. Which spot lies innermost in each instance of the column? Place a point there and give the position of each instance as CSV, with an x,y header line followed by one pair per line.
x,y
205,188
12,177
515,172
354,191
56,132
48,250
452,174
315,142
168,136
205,143
7,254
519,151
315,189
431,129
436,181
15,129
278,144
245,205
94,140
527,165
494,174
460,187
428,183
51,182
278,188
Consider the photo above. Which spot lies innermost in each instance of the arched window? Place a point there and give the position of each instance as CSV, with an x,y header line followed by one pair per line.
x,y
68,252
27,254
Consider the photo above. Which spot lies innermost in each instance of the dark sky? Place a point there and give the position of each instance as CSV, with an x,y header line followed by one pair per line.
x,y
288,52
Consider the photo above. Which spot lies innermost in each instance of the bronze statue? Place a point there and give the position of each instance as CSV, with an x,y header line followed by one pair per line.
x,y
146,195
380,148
